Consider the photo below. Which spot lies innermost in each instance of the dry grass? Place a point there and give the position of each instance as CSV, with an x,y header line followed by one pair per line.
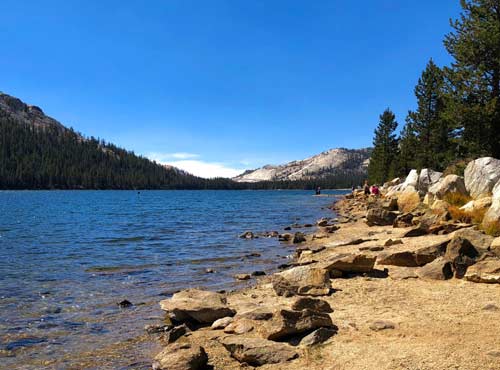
x,y
457,199
492,229
471,217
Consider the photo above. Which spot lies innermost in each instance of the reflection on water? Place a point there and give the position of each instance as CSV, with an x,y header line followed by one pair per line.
x,y
68,257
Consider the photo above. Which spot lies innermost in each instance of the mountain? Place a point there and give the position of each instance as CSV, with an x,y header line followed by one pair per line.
x,y
38,152
332,162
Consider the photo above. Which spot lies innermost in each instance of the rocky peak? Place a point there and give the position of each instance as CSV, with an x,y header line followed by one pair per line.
x,y
29,114
317,166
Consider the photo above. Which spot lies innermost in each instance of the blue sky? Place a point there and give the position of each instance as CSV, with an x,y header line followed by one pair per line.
x,y
220,86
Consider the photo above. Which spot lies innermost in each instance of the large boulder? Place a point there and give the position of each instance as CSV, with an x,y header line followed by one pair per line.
x,y
481,176
491,220
257,351
477,238
287,323
478,205
408,200
194,305
349,263
416,258
439,269
426,179
486,271
380,217
302,280
411,180
447,185
181,357
313,304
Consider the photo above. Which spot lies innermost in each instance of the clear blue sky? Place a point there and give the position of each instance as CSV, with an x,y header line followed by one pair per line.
x,y
222,85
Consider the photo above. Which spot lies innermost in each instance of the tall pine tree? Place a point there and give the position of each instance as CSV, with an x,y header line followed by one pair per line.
x,y
428,121
408,148
474,76
383,161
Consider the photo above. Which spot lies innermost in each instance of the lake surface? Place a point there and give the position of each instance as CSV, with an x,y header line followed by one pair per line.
x,y
68,257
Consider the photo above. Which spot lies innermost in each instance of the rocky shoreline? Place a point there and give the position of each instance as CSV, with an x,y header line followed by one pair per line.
x,y
396,282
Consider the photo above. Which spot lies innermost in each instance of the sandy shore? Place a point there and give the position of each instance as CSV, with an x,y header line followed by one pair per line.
x,y
426,324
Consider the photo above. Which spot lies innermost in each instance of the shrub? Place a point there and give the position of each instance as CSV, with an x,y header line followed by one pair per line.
x,y
492,229
470,217
456,168
457,199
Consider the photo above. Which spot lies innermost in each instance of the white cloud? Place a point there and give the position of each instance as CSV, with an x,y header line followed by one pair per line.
x,y
160,157
206,169
197,167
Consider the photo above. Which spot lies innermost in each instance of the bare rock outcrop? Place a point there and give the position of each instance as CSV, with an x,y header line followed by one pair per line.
x,y
448,184
481,175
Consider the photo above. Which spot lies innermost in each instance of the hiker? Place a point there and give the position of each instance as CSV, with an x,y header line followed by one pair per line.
x,y
367,188
318,190
375,190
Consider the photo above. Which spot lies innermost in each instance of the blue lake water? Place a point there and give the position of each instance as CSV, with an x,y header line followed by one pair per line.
x,y
68,257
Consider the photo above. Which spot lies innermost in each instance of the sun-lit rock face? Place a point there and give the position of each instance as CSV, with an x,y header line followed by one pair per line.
x,y
313,167
30,114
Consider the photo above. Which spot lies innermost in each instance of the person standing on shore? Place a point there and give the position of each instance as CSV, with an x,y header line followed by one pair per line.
x,y
366,188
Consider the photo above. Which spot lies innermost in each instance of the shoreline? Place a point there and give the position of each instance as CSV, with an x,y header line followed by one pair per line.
x,y
381,313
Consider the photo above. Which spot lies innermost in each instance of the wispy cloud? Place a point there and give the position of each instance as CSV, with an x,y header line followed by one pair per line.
x,y
198,167
159,157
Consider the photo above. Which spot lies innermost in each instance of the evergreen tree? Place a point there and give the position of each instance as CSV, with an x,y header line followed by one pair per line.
x,y
427,122
474,76
385,149
408,148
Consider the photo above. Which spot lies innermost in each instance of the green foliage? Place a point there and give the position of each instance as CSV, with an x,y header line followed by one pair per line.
x,y
385,149
474,77
54,158
458,107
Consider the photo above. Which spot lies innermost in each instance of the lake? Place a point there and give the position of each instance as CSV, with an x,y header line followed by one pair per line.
x,y
68,257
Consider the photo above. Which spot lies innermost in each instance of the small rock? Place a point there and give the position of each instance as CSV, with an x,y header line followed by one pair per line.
x,y
490,307
125,304
313,304
222,323
493,353
258,273
318,336
259,314
242,276
209,271
382,325
175,333
285,237
391,242
157,329
181,357
288,228
239,326
298,238
258,352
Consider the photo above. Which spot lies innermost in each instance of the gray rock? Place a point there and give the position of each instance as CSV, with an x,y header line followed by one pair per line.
x,y
481,175
318,336
382,325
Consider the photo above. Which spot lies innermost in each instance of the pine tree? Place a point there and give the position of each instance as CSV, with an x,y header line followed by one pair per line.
x,y
408,148
474,75
427,122
384,156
